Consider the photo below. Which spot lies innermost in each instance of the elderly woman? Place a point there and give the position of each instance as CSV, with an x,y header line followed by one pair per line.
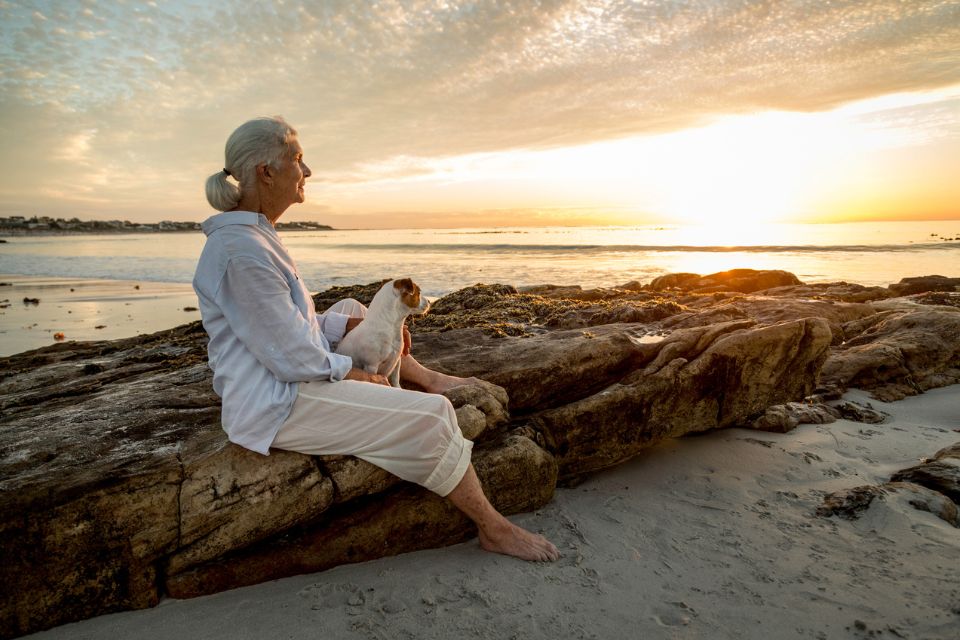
x,y
273,357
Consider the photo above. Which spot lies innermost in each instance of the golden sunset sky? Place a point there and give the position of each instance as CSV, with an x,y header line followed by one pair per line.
x,y
444,114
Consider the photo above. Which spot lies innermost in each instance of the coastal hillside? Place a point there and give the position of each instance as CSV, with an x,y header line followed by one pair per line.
x,y
35,225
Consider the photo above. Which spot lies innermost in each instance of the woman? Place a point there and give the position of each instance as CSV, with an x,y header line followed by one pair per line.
x,y
272,356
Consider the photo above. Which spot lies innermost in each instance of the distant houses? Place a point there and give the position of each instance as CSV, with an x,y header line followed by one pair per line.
x,y
16,225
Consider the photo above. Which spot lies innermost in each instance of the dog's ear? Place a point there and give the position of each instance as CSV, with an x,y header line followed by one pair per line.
x,y
403,286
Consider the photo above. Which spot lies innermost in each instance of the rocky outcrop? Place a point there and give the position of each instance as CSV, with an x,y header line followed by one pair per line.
x,y
118,485
598,397
923,284
897,353
742,280
697,380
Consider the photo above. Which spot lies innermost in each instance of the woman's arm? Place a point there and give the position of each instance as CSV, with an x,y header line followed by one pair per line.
x,y
255,299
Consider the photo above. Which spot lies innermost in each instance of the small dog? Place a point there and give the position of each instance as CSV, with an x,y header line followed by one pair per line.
x,y
376,343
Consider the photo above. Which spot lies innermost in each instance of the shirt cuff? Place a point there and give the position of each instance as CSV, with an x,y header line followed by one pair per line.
x,y
333,325
339,366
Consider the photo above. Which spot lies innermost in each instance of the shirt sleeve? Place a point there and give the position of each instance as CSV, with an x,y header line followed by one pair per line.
x,y
333,325
256,302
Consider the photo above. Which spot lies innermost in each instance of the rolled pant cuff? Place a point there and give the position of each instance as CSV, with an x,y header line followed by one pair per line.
x,y
451,468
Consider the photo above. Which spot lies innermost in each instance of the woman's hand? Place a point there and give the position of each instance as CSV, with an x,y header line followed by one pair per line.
x,y
351,324
407,342
363,376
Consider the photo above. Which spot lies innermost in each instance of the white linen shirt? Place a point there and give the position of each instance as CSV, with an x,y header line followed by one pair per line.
x,y
265,335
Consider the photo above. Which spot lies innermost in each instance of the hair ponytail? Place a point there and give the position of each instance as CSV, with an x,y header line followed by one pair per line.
x,y
221,194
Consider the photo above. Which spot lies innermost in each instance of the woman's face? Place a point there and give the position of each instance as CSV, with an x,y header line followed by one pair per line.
x,y
293,173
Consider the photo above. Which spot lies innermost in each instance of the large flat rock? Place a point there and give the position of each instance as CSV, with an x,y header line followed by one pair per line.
x,y
118,486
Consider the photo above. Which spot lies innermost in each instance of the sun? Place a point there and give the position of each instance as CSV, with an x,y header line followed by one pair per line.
x,y
742,170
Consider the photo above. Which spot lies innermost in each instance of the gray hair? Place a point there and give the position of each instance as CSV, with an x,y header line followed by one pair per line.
x,y
255,142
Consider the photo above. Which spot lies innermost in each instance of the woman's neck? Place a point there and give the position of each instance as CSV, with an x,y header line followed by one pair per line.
x,y
253,202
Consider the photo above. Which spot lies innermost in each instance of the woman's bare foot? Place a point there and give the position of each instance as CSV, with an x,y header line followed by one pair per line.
x,y
498,534
429,380
441,382
511,540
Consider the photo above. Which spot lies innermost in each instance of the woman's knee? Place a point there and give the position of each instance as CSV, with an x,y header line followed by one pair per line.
x,y
349,307
448,416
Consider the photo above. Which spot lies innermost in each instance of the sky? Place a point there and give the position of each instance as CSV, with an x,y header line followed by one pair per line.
x,y
528,112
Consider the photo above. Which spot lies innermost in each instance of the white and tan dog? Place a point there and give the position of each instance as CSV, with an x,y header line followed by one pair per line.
x,y
376,344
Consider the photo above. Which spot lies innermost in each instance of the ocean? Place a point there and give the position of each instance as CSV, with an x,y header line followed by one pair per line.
x,y
103,287
443,260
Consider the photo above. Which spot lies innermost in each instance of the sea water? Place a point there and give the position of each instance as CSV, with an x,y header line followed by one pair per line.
x,y
443,260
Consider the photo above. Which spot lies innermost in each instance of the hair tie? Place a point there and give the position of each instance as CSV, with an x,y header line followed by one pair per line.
x,y
225,171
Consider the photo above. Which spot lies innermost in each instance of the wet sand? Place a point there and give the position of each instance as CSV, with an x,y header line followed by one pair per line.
x,y
712,536
85,309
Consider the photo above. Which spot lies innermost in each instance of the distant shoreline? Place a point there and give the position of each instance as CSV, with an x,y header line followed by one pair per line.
x,y
19,226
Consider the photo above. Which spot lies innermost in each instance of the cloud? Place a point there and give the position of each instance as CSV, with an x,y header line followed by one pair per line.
x,y
372,87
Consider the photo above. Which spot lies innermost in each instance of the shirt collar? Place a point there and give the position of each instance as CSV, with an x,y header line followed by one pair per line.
x,y
220,220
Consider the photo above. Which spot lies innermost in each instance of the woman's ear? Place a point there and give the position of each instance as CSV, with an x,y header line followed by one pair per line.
x,y
264,173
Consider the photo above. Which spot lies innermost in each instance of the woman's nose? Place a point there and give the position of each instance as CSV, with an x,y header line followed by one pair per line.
x,y
306,170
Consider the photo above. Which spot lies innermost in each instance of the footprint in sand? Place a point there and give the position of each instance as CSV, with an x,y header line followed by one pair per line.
x,y
677,615
335,596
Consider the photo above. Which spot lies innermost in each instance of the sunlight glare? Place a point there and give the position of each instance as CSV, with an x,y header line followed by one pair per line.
x,y
730,174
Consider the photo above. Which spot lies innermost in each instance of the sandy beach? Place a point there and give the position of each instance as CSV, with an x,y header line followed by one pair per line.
x,y
86,309
711,536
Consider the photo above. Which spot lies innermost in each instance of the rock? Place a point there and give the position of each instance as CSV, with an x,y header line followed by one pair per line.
x,y
768,310
362,293
923,284
118,486
490,400
838,291
354,478
471,420
570,292
901,353
925,499
699,379
622,311
859,413
952,451
231,497
516,474
932,486
849,503
941,474
937,298
782,418
117,475
742,280
778,419
537,371
633,285
682,281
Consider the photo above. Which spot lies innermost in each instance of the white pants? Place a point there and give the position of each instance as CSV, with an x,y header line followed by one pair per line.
x,y
412,435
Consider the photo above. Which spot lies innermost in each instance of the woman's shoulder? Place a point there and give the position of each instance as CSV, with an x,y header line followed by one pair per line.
x,y
239,240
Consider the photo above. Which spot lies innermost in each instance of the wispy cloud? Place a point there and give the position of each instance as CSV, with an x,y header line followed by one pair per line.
x,y
376,87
